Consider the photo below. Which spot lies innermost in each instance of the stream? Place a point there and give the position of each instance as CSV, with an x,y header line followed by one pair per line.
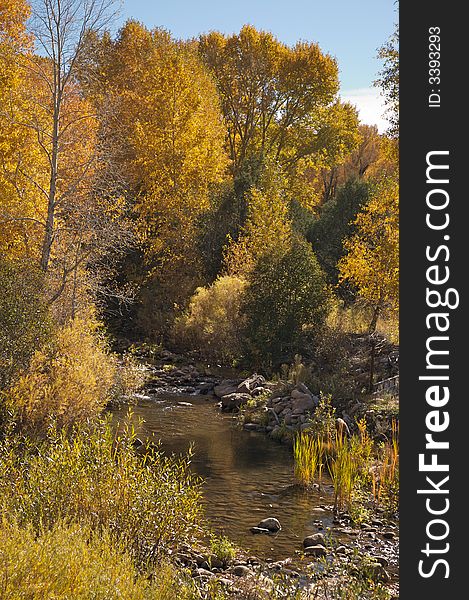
x,y
247,476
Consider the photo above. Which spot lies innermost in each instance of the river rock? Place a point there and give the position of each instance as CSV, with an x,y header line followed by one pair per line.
x,y
317,550
234,401
313,540
271,524
250,384
227,386
240,571
377,572
297,394
303,404
388,535
258,530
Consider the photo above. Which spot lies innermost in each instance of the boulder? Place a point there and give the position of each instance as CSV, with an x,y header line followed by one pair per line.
x,y
303,404
241,571
234,401
271,524
227,386
314,540
250,384
298,394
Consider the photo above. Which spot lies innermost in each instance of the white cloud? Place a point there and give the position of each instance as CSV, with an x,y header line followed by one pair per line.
x,y
370,106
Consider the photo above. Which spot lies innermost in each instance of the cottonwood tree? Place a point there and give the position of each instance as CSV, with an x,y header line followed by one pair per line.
x,y
278,101
372,259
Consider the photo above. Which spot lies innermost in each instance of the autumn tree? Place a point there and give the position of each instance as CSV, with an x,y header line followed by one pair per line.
x,y
336,223
277,101
372,259
162,106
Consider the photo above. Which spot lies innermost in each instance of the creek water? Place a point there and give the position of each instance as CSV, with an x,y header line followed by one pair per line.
x,y
247,476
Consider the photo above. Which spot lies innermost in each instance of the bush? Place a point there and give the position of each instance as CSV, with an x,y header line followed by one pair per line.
x,y
24,324
69,380
70,561
286,303
213,322
96,478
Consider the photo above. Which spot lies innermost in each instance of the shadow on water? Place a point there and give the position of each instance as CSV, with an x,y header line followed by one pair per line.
x,y
247,476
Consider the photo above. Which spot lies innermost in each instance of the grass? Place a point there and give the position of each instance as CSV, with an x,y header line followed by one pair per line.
x,y
359,471
307,453
385,476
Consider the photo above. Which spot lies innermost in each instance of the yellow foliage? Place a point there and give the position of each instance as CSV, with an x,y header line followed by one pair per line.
x,y
268,228
372,259
170,117
70,380
213,321
71,561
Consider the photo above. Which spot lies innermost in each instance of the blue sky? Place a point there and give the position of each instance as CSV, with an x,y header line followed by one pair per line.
x,y
351,31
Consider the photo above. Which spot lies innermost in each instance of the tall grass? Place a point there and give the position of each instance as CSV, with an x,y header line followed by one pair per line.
x,y
95,478
307,453
359,472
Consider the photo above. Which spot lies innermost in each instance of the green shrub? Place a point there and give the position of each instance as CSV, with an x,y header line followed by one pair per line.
x,y
24,324
213,321
93,477
286,301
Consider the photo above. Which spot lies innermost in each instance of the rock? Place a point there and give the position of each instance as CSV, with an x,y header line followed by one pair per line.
x,y
234,401
317,550
250,384
185,403
204,574
258,530
297,395
388,535
271,524
241,571
382,560
303,388
341,550
304,404
215,562
226,387
313,540
252,427
258,391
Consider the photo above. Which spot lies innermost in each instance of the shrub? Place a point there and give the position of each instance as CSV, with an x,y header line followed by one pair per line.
x,y
94,477
286,301
69,380
213,321
24,324
71,561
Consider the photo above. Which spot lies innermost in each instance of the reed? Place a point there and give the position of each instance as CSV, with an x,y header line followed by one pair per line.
x,y
307,453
